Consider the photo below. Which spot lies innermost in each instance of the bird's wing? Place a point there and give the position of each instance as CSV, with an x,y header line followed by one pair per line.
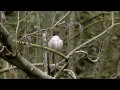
x,y
60,44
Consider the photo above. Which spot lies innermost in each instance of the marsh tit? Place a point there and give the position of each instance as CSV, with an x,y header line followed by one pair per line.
x,y
55,43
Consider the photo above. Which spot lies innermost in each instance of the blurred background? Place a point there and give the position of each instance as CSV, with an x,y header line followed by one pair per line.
x,y
76,28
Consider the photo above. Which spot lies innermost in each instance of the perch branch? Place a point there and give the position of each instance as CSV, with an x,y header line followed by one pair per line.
x,y
45,48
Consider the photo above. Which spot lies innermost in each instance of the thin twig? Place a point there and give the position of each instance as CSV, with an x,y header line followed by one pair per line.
x,y
2,49
91,40
18,17
45,48
74,50
62,18
26,16
112,17
71,73
6,31
91,25
54,18
18,22
34,33
58,73
81,51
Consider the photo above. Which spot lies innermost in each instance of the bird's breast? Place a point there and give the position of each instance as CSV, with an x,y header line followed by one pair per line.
x,y
55,43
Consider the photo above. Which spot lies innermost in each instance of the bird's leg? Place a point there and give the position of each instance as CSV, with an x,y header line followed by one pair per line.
x,y
54,61
48,66
53,58
55,66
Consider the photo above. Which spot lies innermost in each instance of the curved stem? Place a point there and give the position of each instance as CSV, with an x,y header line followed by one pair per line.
x,y
91,40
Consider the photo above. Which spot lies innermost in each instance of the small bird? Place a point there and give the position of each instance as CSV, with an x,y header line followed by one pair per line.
x,y
55,43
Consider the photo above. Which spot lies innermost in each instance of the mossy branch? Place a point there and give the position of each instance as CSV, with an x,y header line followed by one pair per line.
x,y
17,59
6,40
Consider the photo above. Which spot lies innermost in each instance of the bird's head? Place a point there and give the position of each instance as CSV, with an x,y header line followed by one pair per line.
x,y
55,32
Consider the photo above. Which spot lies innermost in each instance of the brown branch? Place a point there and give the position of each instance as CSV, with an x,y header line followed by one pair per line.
x,y
45,48
35,64
17,60
74,50
68,13
7,40
26,66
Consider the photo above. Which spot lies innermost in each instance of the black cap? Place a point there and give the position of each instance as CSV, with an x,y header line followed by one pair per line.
x,y
55,33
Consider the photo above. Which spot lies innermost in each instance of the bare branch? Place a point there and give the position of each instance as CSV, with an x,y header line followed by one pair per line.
x,y
26,66
73,51
62,18
18,60
26,16
88,56
2,49
7,40
45,48
35,64
71,73
58,73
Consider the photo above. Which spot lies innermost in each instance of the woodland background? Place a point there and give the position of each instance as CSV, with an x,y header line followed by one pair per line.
x,y
95,34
